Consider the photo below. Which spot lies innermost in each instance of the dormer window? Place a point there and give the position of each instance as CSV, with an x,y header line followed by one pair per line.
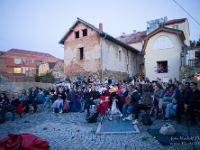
x,y
175,27
77,34
85,32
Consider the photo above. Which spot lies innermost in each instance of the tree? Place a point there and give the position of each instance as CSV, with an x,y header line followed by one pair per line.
x,y
48,78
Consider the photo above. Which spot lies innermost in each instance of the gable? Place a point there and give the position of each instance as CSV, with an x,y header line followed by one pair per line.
x,y
79,27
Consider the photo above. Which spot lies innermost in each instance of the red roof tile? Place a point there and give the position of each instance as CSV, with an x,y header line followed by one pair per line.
x,y
175,21
132,38
30,52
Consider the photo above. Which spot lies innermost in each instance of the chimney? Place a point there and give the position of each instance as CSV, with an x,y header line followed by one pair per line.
x,y
134,31
101,26
165,19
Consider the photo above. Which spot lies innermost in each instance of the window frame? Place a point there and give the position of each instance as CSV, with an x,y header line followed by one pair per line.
x,y
164,64
77,34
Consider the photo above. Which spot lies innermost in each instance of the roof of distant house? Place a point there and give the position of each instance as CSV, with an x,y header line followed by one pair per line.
x,y
51,64
138,36
175,21
101,33
133,37
30,52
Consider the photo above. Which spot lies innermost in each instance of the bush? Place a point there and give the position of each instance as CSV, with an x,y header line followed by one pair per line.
x,y
48,78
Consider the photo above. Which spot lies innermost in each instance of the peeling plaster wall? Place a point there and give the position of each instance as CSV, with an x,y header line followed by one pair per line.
x,y
91,56
116,58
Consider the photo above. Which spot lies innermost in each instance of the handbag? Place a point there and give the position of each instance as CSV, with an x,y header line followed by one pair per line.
x,y
167,129
128,100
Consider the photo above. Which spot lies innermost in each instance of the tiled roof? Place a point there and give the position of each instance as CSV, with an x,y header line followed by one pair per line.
x,y
51,64
175,21
30,52
101,33
132,38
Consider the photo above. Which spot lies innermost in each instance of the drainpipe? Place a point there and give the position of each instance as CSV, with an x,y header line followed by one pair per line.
x,y
102,80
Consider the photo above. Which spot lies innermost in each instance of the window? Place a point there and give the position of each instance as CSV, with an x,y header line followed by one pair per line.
x,y
162,67
77,34
120,55
175,27
32,61
162,42
81,53
17,70
17,60
25,61
85,32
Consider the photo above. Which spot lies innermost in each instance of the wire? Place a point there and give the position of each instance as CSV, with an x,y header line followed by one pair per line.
x,y
187,13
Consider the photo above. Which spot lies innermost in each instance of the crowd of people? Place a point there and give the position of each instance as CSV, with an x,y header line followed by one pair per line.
x,y
125,98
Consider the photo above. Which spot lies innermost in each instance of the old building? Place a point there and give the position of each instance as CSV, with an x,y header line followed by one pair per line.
x,y
56,68
21,63
91,51
164,45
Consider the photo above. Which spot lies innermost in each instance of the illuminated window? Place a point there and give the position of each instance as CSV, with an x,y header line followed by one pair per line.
x,y
162,67
17,70
162,42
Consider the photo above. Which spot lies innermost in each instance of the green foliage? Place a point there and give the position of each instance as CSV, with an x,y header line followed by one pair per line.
x,y
194,43
186,69
37,78
48,78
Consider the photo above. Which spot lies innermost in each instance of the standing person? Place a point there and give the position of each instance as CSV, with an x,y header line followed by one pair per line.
x,y
191,103
109,81
146,103
8,108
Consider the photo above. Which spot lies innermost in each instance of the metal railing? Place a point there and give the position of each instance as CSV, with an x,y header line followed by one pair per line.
x,y
194,63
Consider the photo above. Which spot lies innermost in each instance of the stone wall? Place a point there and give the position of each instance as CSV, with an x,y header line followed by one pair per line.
x,y
10,87
117,75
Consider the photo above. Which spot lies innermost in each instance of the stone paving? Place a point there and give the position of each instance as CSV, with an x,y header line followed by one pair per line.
x,y
70,131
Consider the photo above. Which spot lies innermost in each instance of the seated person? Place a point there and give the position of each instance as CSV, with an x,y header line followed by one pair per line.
x,y
133,96
92,100
38,100
178,99
75,104
190,103
145,104
167,98
30,100
3,100
114,104
49,95
157,95
58,104
9,108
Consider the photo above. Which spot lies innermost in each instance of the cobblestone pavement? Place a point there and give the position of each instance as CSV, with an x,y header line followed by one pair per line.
x,y
70,132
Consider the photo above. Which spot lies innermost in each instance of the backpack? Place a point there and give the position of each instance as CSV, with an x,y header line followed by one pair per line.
x,y
146,119
93,118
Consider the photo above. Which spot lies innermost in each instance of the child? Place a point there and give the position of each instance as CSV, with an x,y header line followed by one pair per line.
x,y
58,105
